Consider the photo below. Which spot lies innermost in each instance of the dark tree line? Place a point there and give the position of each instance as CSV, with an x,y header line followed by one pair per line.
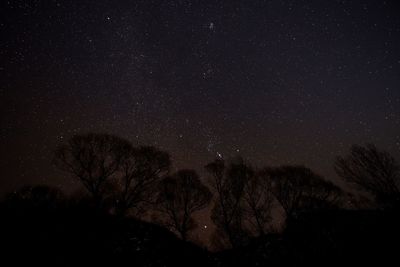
x,y
131,180
111,169
373,171
128,180
245,197
179,196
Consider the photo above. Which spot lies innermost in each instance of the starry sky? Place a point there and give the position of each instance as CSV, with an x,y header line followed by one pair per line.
x,y
278,82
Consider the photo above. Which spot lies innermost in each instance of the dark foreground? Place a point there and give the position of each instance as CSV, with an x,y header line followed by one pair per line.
x,y
32,235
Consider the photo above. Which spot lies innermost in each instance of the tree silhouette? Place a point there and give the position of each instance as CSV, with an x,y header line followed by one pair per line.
x,y
258,200
37,198
298,188
179,197
373,170
92,158
40,218
227,214
322,195
140,171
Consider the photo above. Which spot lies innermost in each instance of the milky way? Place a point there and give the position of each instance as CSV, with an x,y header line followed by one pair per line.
x,y
278,82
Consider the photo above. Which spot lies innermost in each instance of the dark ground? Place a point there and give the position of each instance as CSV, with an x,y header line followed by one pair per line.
x,y
43,234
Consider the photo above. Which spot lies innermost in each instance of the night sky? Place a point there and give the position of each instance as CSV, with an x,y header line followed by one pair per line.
x,y
278,82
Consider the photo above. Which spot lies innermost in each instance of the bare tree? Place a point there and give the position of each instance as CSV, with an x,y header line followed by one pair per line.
x,y
92,158
179,197
259,201
373,170
227,213
297,188
140,171
322,194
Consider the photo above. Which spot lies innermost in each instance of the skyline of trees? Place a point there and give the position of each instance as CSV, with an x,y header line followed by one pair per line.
x,y
179,197
134,181
141,170
372,170
227,182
